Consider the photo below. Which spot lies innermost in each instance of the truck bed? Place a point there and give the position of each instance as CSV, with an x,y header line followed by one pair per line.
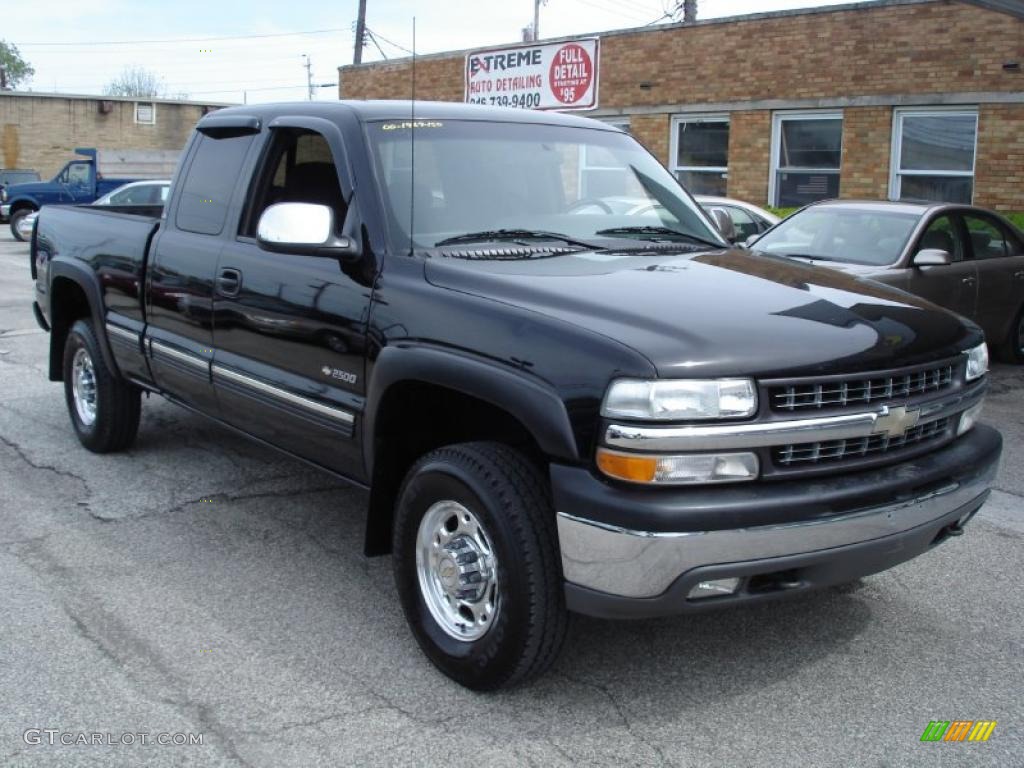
x,y
112,243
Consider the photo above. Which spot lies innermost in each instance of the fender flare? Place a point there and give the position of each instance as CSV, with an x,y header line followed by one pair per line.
x,y
538,407
83,276
19,202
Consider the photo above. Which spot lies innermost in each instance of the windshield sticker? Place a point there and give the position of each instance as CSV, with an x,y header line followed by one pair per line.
x,y
412,124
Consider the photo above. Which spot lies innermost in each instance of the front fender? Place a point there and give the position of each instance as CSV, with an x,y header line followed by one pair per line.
x,y
537,407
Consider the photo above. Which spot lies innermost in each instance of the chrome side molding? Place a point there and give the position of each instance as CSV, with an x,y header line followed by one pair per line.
x,y
338,414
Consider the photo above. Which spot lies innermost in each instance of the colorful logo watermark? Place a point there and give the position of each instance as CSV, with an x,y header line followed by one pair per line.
x,y
958,730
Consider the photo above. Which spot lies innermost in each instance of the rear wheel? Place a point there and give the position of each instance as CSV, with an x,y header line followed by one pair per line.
x,y
476,564
16,217
104,409
1012,349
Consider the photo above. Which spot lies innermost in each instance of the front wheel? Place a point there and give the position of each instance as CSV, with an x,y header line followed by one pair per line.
x,y
104,409
476,564
16,218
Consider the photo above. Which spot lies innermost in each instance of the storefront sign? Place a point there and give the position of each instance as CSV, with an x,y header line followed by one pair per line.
x,y
552,76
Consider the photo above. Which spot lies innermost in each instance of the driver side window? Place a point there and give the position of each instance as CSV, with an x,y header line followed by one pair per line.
x,y
298,167
78,174
942,234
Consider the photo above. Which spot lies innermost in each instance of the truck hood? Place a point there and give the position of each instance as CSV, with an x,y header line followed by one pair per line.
x,y
28,189
721,313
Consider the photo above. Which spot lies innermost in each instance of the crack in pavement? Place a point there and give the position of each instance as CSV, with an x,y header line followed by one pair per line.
x,y
626,722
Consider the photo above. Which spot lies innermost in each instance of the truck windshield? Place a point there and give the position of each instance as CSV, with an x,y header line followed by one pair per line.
x,y
478,181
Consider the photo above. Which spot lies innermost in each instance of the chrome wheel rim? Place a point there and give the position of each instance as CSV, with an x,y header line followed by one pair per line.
x,y
457,571
83,387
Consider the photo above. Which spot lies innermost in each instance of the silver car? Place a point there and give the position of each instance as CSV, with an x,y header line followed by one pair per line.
x,y
151,192
961,257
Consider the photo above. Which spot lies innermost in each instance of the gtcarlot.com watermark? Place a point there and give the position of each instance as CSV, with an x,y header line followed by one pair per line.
x,y
55,736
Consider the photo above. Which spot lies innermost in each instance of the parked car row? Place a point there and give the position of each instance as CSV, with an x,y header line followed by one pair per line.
x,y
94,173
135,194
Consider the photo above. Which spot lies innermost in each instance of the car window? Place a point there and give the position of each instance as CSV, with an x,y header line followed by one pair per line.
x,y
942,235
209,184
78,174
988,241
745,224
298,167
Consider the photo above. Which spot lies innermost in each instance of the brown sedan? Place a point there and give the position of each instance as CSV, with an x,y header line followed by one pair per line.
x,y
960,257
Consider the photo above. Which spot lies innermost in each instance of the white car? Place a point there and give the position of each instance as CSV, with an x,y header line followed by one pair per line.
x,y
150,192
748,219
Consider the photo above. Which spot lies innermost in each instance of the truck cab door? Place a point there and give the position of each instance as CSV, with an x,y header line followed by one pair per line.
x,y
79,183
182,267
290,328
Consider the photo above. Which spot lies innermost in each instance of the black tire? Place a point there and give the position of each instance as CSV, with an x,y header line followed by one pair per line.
x,y
17,216
1012,348
511,498
117,403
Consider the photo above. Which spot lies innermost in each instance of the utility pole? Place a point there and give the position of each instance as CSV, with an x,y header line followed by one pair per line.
x,y
689,11
536,20
357,54
309,77
3,79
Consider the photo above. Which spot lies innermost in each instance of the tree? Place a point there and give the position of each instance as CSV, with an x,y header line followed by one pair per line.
x,y
13,69
136,81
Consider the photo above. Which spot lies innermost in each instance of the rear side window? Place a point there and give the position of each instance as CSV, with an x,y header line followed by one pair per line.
x,y
209,184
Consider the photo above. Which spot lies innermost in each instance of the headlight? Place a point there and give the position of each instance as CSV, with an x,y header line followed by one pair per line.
x,y
977,362
680,399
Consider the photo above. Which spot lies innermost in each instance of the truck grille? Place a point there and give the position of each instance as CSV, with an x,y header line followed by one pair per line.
x,y
834,451
804,396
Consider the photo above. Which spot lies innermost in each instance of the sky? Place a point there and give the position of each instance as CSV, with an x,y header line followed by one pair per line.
x,y
79,47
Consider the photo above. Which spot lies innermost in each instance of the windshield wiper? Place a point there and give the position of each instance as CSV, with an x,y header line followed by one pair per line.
x,y
511,234
811,257
649,230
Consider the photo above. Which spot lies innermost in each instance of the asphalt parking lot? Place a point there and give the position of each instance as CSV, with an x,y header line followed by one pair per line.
x,y
200,584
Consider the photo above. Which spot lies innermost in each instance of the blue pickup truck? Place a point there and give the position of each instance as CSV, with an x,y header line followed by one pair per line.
x,y
90,176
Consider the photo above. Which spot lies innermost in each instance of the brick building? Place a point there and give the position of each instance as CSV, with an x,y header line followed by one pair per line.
x,y
881,99
41,130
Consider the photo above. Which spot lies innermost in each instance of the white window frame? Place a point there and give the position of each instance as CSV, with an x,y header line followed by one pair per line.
x,y
152,106
778,118
673,150
895,172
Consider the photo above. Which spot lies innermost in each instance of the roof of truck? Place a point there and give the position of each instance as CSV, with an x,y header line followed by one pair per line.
x,y
424,110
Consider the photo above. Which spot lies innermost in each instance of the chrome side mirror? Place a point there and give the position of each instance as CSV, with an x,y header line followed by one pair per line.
x,y
302,228
932,257
724,223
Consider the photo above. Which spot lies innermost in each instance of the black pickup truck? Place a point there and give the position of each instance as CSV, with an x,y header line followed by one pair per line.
x,y
556,406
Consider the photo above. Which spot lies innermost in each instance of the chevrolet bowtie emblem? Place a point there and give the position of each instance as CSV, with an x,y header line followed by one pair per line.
x,y
895,421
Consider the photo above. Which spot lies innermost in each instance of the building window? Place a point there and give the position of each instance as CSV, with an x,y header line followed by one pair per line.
x,y
145,112
933,154
807,148
700,153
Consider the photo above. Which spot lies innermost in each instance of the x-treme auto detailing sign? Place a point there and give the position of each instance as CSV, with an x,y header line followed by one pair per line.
x,y
552,76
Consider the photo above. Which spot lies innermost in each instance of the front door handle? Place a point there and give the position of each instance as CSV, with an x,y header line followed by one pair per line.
x,y
968,281
229,282
1019,274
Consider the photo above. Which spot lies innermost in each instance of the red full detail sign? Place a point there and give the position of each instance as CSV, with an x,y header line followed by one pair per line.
x,y
550,76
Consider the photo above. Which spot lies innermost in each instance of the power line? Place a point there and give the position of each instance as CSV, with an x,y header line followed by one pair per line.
x,y
383,39
184,39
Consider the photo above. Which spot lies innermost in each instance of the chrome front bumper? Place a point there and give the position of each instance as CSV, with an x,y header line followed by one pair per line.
x,y
5,211
824,531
